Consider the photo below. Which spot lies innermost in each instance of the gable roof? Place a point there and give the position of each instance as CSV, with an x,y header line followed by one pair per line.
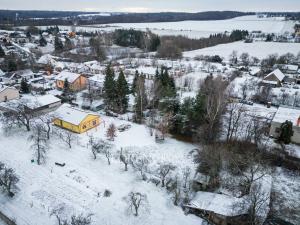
x,y
72,115
3,88
277,73
71,77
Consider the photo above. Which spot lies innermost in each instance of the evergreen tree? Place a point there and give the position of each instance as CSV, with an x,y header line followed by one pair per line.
x,y
58,45
109,89
42,41
140,100
154,43
28,35
66,88
122,92
68,43
24,88
2,53
286,132
134,83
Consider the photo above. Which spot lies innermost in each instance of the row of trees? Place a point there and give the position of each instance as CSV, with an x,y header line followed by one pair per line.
x,y
115,91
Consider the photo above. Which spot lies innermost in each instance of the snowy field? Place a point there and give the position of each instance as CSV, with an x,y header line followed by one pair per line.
x,y
255,49
79,186
198,29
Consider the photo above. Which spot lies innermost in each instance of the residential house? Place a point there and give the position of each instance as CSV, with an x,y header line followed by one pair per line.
x,y
76,81
96,83
75,120
274,79
223,209
37,105
287,68
282,115
17,76
8,93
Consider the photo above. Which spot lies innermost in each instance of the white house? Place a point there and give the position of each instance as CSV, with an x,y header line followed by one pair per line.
x,y
282,115
97,82
274,78
17,76
8,93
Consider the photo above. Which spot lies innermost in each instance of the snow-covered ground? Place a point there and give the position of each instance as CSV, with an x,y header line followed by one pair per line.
x,y
198,29
255,49
79,186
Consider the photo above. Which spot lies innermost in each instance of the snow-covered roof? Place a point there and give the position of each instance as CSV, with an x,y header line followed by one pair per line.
x,y
290,67
277,73
217,203
71,77
269,82
2,88
97,78
284,113
72,115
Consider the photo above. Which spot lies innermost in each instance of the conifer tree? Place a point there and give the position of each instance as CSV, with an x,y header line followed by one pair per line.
x,y
109,89
58,45
122,92
134,83
68,43
66,88
140,100
24,88
42,41
286,132
2,53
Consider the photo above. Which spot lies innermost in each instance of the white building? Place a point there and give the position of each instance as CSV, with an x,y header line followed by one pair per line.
x,y
282,115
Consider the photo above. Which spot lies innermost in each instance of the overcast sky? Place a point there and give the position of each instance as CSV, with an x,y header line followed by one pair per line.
x,y
153,5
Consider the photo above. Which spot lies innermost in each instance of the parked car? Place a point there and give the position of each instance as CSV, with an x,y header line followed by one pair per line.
x,y
124,127
246,102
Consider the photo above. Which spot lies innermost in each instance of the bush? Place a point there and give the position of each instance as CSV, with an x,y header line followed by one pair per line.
x,y
107,193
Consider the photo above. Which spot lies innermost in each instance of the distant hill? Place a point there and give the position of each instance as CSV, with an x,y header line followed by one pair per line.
x,y
19,17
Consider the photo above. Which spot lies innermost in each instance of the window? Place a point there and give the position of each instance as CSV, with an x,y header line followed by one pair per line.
x,y
5,98
84,127
277,130
94,122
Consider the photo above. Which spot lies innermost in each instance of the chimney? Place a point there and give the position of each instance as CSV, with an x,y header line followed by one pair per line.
x,y
298,121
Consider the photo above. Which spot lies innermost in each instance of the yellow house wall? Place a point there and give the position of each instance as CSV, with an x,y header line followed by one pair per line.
x,y
66,125
84,126
87,123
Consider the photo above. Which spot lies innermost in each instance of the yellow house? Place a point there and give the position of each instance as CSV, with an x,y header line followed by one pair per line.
x,y
77,81
75,120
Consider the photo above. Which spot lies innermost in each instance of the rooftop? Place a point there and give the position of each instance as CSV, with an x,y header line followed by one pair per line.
x,y
285,113
72,115
71,77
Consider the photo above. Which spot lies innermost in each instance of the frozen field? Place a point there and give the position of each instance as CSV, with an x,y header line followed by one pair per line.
x,y
79,186
257,49
198,29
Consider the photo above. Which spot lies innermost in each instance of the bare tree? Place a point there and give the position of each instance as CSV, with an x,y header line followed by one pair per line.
x,y
102,147
66,136
164,170
233,58
111,132
40,143
75,220
245,58
19,114
47,121
125,158
137,200
8,179
233,119
140,164
256,203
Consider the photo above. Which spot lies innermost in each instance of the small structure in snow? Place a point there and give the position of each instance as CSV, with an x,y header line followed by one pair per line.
x,y
76,81
274,78
75,120
286,114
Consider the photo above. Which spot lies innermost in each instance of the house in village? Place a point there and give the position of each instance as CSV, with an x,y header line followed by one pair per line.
x,y
75,120
17,76
274,79
96,83
282,115
36,105
8,93
76,81
223,209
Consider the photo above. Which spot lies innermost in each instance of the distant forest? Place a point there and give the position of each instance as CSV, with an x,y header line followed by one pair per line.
x,y
19,18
